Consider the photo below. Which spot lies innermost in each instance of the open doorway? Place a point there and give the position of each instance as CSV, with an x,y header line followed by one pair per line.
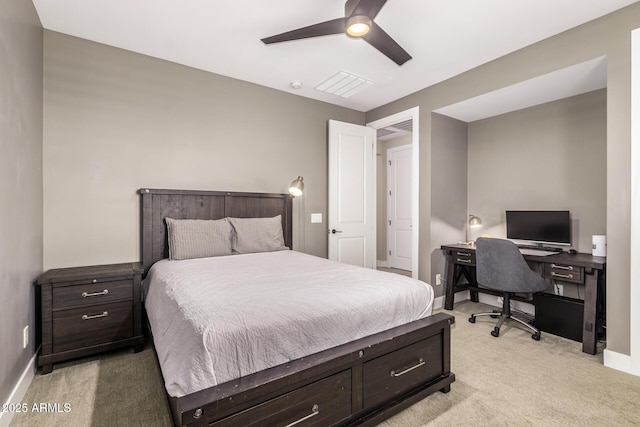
x,y
397,192
393,195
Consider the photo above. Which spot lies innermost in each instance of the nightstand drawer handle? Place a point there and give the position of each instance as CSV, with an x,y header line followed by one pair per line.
x,y
464,261
95,316
562,267
95,294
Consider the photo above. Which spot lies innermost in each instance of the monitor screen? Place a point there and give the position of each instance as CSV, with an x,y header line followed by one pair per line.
x,y
539,226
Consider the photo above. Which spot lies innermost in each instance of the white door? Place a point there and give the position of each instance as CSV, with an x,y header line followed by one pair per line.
x,y
399,221
352,209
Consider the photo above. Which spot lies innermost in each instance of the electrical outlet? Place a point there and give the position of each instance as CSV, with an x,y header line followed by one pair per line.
x,y
25,337
438,279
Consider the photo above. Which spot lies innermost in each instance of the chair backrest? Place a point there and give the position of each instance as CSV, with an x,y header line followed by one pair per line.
x,y
501,266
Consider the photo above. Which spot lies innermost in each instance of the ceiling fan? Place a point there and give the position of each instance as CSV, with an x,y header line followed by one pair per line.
x,y
357,22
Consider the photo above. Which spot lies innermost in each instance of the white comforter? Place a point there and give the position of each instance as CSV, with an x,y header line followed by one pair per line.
x,y
217,319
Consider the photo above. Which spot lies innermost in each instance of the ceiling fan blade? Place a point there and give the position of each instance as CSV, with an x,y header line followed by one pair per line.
x,y
382,41
326,28
368,8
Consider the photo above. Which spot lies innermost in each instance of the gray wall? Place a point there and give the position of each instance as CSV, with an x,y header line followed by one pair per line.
x,y
553,156
610,36
116,121
449,189
20,183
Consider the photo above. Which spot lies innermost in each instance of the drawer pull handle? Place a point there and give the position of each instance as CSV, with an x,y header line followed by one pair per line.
x,y
562,267
95,294
466,261
564,276
315,410
411,368
95,316
464,253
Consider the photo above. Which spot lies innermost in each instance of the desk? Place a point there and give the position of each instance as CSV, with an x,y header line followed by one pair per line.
x,y
580,268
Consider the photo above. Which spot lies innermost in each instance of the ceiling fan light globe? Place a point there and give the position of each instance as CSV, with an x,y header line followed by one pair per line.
x,y
358,26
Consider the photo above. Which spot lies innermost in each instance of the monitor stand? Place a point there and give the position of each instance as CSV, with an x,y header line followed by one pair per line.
x,y
540,247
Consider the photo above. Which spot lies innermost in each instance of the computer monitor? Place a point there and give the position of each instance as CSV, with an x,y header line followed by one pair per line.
x,y
540,227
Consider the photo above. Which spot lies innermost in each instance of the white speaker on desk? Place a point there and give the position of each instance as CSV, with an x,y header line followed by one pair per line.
x,y
599,245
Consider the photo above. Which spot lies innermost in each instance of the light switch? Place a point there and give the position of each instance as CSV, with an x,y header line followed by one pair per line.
x,y
316,218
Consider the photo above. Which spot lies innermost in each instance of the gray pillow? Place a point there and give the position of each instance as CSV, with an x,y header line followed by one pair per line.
x,y
198,238
257,235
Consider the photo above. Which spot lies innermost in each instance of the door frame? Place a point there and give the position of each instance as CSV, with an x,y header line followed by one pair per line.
x,y
631,364
412,114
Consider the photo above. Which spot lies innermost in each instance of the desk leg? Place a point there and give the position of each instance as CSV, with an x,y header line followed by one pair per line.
x,y
470,275
589,327
449,285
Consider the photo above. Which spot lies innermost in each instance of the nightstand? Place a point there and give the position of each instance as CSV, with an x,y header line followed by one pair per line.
x,y
87,310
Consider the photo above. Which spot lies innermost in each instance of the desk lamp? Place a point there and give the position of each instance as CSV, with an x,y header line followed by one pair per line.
x,y
472,222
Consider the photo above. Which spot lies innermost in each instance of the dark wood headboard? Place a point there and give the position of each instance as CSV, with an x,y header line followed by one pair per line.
x,y
193,204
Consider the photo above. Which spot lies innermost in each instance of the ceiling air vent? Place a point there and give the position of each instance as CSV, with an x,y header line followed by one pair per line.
x,y
395,131
406,126
344,84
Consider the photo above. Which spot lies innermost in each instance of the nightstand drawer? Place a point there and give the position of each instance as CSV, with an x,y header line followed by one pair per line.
x,y
91,294
87,326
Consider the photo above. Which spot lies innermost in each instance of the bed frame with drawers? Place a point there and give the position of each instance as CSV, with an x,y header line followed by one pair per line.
x,y
358,383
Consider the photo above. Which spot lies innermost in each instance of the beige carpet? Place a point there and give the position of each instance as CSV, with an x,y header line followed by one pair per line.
x,y
507,381
119,388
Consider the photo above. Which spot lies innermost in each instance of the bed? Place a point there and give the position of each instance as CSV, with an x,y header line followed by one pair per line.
x,y
340,366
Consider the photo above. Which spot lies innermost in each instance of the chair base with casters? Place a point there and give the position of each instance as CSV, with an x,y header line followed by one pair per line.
x,y
504,315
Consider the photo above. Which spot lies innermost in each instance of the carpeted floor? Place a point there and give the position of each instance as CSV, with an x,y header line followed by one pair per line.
x,y
119,388
507,381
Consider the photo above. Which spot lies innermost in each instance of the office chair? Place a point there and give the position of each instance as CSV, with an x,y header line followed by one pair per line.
x,y
500,266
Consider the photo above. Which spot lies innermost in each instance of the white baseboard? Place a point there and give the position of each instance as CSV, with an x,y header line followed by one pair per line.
x,y
383,264
461,296
20,390
620,362
517,305
458,296
486,299
438,302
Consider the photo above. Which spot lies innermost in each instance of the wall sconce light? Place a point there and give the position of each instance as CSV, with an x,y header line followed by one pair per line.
x,y
472,222
297,187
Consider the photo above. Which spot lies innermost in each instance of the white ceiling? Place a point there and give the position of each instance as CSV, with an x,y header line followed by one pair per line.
x,y
445,37
575,80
